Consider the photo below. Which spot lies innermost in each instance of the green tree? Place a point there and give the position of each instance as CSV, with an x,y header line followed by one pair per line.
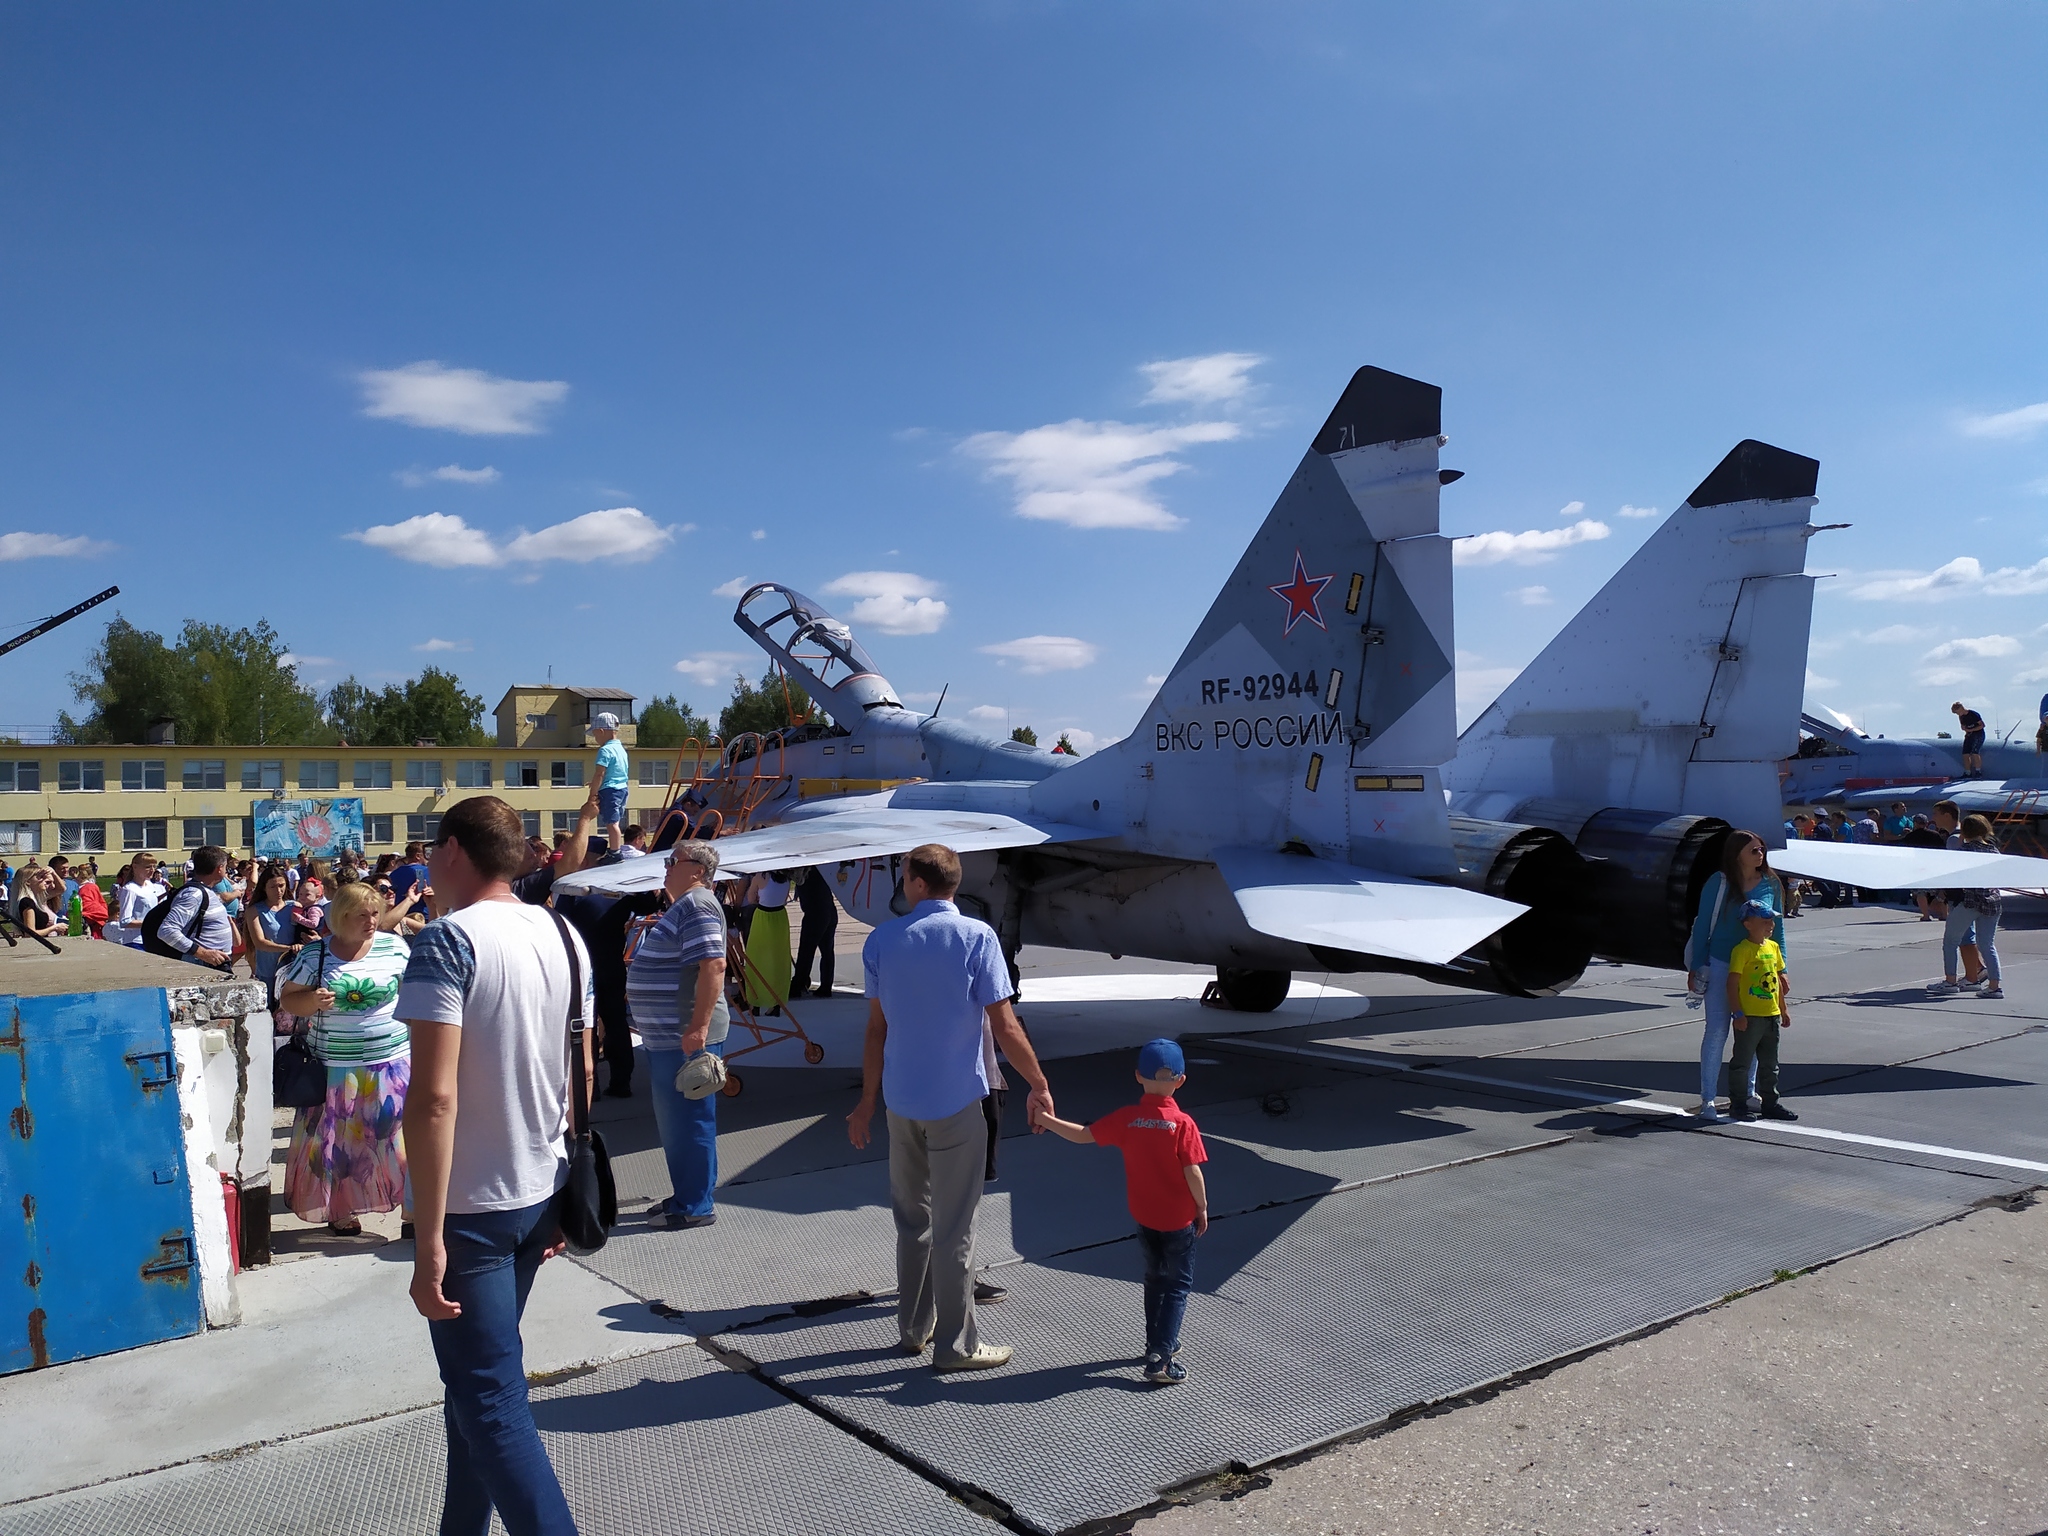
x,y
1065,745
430,707
1025,734
764,706
219,685
666,723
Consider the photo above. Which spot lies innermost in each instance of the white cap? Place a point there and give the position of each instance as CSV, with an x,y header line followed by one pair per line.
x,y
608,721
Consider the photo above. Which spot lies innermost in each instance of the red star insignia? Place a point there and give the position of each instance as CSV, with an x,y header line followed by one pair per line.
x,y
1300,595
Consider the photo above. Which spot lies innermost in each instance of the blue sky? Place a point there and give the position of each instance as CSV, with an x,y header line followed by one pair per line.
x,y
502,336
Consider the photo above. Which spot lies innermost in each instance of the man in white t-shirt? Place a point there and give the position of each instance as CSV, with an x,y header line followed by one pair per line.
x,y
486,996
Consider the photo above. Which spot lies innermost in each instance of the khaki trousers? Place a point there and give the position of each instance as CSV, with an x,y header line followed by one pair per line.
x,y
935,1179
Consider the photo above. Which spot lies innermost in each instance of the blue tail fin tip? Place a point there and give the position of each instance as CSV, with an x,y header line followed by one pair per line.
x,y
1755,471
1382,407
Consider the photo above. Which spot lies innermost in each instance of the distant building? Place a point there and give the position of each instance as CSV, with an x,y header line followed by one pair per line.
x,y
109,801
543,715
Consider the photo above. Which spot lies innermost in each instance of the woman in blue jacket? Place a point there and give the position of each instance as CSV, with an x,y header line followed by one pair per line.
x,y
1745,875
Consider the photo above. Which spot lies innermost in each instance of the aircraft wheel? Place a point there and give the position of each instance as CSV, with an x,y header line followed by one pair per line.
x,y
1253,991
814,1053
733,1084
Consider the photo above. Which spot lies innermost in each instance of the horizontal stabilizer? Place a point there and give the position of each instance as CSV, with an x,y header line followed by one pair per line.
x,y
1878,868
838,839
1364,911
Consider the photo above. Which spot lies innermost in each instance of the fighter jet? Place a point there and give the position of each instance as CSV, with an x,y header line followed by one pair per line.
x,y
1837,764
1279,806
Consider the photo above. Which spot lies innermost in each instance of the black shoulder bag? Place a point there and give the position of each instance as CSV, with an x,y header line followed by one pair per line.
x,y
298,1078
587,1204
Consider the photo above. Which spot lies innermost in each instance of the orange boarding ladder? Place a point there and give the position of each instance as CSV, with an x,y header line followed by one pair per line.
x,y
2017,825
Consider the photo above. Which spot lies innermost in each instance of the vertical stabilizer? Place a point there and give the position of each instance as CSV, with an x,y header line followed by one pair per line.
x,y
1678,687
1315,703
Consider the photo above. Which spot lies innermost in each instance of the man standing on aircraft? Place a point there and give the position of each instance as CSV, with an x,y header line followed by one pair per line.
x,y
933,977
1972,725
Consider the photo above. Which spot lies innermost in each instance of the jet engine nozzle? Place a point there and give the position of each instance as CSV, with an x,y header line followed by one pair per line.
x,y
1547,948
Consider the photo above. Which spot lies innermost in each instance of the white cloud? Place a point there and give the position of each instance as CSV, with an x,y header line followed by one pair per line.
x,y
618,533
1479,686
2032,675
1571,509
454,473
445,540
1531,597
711,668
438,645
1897,634
1815,680
1982,645
293,659
1093,474
1961,577
1045,653
988,712
1537,546
2024,422
430,394
758,534
895,602
433,538
44,546
1216,379
1943,677
1083,742
731,588
1629,511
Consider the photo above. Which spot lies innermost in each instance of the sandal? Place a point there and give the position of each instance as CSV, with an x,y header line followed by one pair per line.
x,y
353,1229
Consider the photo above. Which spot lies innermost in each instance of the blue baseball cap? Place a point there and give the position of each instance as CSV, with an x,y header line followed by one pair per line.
x,y
1158,1058
1758,909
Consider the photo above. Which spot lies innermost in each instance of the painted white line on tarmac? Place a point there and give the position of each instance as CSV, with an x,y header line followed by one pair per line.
x,y
1634,1106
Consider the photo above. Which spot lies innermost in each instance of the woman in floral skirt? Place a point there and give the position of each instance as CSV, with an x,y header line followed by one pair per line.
x,y
347,1155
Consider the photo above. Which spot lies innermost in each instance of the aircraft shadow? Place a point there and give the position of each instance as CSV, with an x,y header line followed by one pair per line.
x,y
649,1403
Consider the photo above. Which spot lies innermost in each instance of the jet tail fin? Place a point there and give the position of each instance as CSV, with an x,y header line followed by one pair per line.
x,y
1679,685
1314,704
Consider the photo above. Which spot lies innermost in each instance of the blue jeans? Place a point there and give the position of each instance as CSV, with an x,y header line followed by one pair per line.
x,y
1966,925
495,1458
1169,1276
611,805
689,1133
1714,1040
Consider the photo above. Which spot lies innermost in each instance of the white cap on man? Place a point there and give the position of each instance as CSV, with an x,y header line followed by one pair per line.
x,y
608,721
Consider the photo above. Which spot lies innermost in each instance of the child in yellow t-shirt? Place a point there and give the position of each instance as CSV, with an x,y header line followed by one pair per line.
x,y
1758,1001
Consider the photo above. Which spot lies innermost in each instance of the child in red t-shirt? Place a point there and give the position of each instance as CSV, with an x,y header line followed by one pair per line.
x,y
1163,1157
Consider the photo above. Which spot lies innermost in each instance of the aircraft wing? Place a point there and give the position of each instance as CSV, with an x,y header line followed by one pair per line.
x,y
833,839
1876,867
1366,911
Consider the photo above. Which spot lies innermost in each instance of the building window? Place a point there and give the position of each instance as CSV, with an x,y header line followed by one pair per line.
x,y
248,832
565,821
261,774
377,829
89,777
530,822
566,775
205,773
319,774
24,777
422,775
654,770
422,829
21,837
522,775
473,773
147,773
82,837
201,830
541,722
151,832
373,773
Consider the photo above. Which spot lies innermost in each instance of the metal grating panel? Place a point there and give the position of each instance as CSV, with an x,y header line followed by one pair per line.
x,y
1318,1319
657,1444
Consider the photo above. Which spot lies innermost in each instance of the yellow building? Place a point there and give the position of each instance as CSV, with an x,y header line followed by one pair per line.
x,y
542,715
108,801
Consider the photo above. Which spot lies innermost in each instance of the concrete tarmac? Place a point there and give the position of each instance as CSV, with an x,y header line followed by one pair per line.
x,y
1902,1390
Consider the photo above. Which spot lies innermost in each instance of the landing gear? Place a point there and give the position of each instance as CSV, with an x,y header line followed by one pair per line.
x,y
734,1086
1252,991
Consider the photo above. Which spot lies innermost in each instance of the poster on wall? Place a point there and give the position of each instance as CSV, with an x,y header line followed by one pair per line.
x,y
321,828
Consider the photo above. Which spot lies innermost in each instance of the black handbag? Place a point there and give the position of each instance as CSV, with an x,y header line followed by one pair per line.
x,y
587,1204
298,1078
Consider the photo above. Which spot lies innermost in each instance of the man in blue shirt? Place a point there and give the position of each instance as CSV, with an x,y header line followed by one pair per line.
x,y
411,873
933,978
